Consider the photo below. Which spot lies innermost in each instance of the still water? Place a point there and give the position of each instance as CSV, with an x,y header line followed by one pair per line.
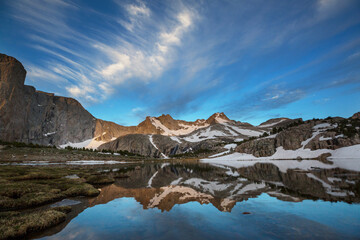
x,y
195,201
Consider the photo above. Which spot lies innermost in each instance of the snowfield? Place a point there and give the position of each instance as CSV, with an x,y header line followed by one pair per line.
x,y
204,135
90,144
186,129
346,158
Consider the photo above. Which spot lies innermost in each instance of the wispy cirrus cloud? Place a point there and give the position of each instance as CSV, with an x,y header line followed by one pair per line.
x,y
130,61
119,58
137,13
182,56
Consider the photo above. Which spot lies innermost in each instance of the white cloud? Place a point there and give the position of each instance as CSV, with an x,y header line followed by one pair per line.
x,y
136,14
75,91
119,58
35,73
136,10
145,63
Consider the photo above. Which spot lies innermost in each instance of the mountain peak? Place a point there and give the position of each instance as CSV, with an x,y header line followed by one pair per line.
x,y
218,118
356,115
165,117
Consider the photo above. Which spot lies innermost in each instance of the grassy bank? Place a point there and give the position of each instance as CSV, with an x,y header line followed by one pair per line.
x,y
26,152
17,225
25,187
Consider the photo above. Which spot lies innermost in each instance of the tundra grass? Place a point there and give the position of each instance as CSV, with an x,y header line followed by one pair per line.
x,y
23,187
17,225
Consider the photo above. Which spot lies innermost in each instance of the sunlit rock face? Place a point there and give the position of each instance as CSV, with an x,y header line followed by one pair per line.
x,y
31,116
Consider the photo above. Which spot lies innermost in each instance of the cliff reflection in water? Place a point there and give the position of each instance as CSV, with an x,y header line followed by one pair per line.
x,y
163,186
178,200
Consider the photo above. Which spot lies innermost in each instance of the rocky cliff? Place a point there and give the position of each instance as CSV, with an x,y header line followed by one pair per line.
x,y
330,133
31,116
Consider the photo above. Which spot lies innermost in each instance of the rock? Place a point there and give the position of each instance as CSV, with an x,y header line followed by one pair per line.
x,y
31,116
291,138
356,116
333,141
258,148
217,118
323,158
134,143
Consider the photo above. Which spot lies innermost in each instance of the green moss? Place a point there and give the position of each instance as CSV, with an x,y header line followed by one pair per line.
x,y
99,179
23,187
63,209
82,190
17,225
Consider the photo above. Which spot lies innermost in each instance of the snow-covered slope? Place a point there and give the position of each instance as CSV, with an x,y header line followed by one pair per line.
x,y
226,129
346,158
182,129
217,125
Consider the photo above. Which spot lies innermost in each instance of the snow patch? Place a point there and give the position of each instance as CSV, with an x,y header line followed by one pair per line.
x,y
251,187
186,192
244,131
92,162
278,194
89,144
206,185
49,134
176,182
205,135
322,126
154,175
230,146
185,129
272,124
330,138
345,158
176,139
220,120
152,142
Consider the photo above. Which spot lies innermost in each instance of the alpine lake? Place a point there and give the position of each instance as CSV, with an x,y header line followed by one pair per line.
x,y
194,200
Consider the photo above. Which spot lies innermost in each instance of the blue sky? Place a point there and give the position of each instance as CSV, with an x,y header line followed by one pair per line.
x,y
253,60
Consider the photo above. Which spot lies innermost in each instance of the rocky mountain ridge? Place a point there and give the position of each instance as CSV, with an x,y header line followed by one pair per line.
x,y
31,116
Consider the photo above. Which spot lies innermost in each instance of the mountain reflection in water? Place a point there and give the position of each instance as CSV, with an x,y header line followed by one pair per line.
x,y
192,189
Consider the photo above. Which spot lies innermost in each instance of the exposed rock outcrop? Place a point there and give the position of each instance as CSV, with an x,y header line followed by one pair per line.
x,y
31,116
217,118
306,136
356,116
107,131
332,140
261,148
291,138
134,143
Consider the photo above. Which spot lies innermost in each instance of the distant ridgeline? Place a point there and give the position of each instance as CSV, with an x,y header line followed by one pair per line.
x,y
38,118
